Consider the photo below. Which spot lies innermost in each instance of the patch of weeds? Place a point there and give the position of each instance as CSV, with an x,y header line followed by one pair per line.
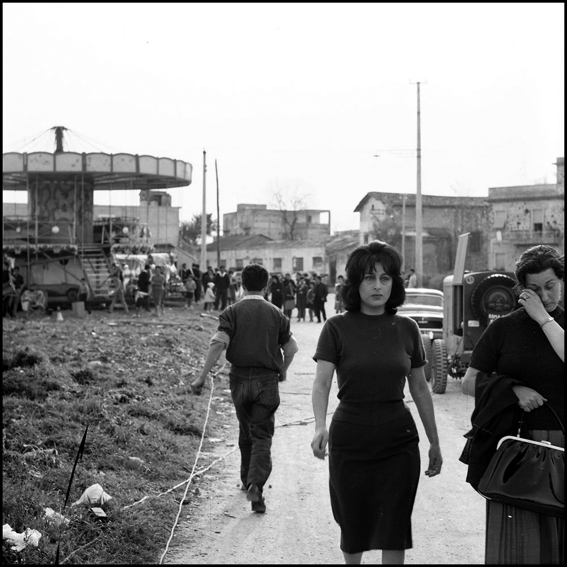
x,y
35,385
84,376
23,358
181,424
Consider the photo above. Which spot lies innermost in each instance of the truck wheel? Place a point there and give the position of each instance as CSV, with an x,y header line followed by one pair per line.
x,y
439,367
429,357
494,294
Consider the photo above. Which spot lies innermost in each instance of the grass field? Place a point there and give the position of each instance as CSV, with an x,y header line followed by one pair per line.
x,y
128,381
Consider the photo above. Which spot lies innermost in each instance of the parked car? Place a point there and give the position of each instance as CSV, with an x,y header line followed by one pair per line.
x,y
58,294
425,307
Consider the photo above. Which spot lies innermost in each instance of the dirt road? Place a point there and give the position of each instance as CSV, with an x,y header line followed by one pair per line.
x,y
298,527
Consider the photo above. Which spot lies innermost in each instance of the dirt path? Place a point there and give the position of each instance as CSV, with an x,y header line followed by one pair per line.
x,y
298,527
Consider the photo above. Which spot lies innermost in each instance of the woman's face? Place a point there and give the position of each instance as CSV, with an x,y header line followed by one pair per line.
x,y
375,290
547,286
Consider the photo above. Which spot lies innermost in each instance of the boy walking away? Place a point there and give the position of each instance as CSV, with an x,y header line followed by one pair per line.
x,y
260,347
190,287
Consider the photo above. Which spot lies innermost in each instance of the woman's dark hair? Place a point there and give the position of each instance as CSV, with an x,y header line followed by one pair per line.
x,y
362,261
254,277
537,259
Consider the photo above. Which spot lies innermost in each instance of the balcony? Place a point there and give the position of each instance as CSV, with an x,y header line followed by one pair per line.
x,y
533,237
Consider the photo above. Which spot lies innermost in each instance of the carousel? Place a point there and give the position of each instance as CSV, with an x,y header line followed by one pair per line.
x,y
58,241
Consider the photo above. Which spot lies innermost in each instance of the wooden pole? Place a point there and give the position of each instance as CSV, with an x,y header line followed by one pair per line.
x,y
218,216
204,216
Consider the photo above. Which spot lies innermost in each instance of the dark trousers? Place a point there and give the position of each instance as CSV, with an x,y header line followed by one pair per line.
x,y
319,308
221,298
256,397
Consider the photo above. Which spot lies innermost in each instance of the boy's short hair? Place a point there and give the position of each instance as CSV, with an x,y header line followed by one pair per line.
x,y
255,277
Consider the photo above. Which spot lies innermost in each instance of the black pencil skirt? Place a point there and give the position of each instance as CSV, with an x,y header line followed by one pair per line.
x,y
373,477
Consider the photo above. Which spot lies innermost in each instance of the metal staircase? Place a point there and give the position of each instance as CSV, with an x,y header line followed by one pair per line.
x,y
96,269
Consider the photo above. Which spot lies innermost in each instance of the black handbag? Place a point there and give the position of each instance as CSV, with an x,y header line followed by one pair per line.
x,y
527,474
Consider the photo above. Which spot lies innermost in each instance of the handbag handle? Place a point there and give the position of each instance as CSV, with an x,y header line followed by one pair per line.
x,y
550,409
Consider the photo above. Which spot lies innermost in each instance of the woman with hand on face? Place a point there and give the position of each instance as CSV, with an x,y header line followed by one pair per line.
x,y
523,355
374,459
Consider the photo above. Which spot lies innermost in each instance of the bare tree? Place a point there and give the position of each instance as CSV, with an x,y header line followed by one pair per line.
x,y
289,201
190,231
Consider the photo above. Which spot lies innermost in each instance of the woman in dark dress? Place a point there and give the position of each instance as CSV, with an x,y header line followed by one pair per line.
x,y
374,459
528,345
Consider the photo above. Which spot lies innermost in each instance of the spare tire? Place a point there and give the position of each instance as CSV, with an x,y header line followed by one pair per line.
x,y
494,296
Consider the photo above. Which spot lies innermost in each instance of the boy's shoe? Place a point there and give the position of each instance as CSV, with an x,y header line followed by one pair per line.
x,y
259,507
196,389
254,495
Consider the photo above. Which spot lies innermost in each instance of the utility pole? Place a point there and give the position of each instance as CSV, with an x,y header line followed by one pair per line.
x,y
204,217
218,216
418,209
404,229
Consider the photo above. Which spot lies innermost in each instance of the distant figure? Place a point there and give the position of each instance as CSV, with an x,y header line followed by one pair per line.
x,y
320,299
233,288
85,294
198,282
310,300
289,295
222,285
19,285
276,291
190,287
158,290
117,280
339,306
143,291
412,280
209,300
301,298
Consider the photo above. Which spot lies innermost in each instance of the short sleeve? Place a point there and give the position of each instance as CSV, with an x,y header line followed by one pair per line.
x,y
418,355
328,345
225,323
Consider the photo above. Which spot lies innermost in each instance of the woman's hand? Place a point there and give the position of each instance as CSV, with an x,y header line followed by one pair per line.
x,y
528,399
435,460
319,443
531,301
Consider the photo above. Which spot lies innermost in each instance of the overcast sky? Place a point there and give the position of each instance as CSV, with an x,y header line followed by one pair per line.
x,y
299,97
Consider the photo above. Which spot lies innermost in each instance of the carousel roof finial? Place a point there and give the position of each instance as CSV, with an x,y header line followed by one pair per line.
x,y
58,138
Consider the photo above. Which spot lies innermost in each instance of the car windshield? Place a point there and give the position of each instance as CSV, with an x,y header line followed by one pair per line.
x,y
424,300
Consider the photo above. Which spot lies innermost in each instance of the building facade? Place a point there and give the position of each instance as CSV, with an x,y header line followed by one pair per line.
x,y
524,216
391,217
305,224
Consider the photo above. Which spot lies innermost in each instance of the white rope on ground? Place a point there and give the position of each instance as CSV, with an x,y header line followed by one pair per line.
x,y
194,473
194,464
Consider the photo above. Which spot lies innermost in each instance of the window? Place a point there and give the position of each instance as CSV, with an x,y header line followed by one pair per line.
x,y
537,220
297,265
277,264
239,264
257,261
309,219
317,262
500,218
476,241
